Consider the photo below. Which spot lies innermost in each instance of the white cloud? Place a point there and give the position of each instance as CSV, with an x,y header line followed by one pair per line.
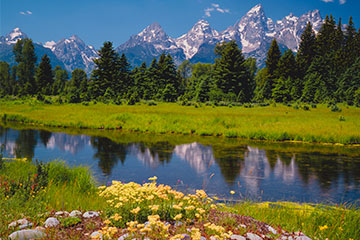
x,y
26,12
327,1
208,11
215,7
342,2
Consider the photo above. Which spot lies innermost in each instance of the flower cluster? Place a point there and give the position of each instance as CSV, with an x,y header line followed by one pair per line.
x,y
147,210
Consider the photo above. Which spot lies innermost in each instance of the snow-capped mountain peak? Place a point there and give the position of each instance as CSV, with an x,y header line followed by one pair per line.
x,y
153,33
199,34
50,44
258,9
15,35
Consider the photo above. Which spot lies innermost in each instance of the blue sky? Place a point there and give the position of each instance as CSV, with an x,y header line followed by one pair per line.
x,y
96,21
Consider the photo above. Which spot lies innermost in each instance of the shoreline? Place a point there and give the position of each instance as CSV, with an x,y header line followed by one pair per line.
x,y
172,119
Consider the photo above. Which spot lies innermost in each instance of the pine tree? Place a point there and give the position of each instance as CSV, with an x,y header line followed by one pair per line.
x,y
106,71
61,77
281,90
349,83
325,40
349,55
5,79
124,81
272,60
231,75
140,80
152,80
25,57
168,78
306,51
75,88
44,76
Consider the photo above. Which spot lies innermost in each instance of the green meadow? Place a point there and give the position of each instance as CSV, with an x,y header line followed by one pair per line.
x,y
272,123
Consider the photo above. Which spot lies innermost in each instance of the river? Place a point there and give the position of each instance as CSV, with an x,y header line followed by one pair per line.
x,y
258,171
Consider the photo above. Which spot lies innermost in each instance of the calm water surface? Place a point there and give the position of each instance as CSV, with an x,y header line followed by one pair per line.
x,y
256,171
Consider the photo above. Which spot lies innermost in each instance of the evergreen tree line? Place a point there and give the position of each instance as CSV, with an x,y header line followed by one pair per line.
x,y
326,68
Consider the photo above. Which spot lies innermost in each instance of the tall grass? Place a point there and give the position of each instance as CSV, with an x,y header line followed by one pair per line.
x,y
316,221
63,188
272,123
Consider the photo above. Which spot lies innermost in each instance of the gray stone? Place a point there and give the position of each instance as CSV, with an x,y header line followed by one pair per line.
x,y
27,234
75,213
186,236
237,237
302,238
90,214
27,225
18,222
123,236
252,236
51,222
96,234
202,238
242,226
178,224
40,229
146,223
271,229
61,213
213,238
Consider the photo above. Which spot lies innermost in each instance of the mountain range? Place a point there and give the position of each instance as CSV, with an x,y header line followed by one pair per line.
x,y
253,33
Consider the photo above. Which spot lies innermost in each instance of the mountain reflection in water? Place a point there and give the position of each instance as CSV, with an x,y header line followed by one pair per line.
x,y
253,172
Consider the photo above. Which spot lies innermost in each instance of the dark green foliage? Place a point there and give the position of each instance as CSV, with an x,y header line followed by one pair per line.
x,y
349,83
6,83
44,76
106,73
25,70
231,74
61,77
77,88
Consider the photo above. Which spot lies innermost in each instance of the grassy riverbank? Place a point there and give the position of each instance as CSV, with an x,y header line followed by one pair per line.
x,y
272,123
29,190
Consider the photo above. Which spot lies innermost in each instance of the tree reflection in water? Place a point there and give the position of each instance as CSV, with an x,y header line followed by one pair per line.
x,y
251,164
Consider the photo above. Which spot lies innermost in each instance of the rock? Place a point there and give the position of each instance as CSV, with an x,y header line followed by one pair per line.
x,y
146,223
90,214
78,229
61,213
97,235
252,236
18,222
237,237
302,238
213,238
186,236
271,229
75,213
178,224
51,222
27,234
27,225
242,225
123,236
40,229
202,238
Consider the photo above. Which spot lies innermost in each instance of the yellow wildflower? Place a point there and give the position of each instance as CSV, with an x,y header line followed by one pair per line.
x,y
135,210
152,178
232,192
178,217
323,227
